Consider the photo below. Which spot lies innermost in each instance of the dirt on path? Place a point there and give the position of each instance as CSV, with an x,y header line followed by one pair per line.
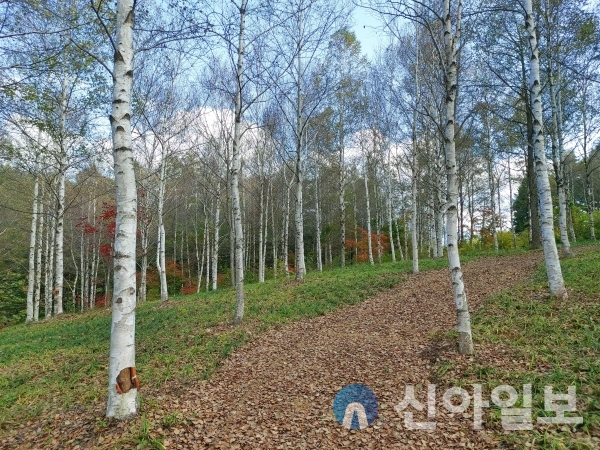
x,y
277,392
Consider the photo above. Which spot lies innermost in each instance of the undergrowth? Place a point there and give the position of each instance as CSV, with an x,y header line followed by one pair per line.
x,y
550,342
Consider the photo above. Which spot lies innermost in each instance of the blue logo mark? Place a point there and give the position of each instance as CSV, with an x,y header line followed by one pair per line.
x,y
355,406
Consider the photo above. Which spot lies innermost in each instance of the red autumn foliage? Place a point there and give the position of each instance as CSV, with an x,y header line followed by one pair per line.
x,y
188,289
362,245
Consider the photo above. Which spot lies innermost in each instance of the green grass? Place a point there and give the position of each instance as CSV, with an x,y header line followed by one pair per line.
x,y
63,362
556,342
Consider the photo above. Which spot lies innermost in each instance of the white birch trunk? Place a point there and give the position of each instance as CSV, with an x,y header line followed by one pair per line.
x,y
76,280
144,267
83,270
161,248
265,237
378,216
370,246
440,201
318,222
196,245
175,237
235,175
107,289
569,185
433,231
215,255
439,217
510,205
32,242
122,336
231,233
93,269
49,268
557,160
60,214
414,174
355,227
465,340
405,221
261,232
342,203
274,232
300,266
59,244
389,206
399,239
204,245
208,247
286,227
491,183
553,269
38,270
414,212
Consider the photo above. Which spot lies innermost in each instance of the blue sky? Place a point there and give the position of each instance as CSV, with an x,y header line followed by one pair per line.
x,y
368,31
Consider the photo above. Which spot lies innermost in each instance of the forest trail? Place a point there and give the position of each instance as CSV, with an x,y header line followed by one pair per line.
x,y
277,391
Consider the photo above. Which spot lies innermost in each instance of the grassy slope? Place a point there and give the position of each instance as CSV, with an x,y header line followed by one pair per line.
x,y
63,362
549,342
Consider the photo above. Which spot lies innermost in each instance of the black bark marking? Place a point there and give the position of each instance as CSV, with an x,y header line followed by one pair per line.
x,y
130,17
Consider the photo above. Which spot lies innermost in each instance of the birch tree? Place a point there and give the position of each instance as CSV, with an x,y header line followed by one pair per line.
x,y
123,383
449,18
553,269
32,248
245,30
304,36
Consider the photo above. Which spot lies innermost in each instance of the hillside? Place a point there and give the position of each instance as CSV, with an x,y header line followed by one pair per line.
x,y
278,387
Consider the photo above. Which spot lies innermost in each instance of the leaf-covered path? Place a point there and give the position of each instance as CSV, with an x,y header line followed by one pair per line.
x,y
277,392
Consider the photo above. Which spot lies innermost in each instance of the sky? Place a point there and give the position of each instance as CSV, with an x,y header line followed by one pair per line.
x,y
368,31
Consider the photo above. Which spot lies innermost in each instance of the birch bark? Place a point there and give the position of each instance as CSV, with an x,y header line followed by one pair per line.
x,y
389,209
414,172
161,248
465,340
553,269
558,163
342,201
49,267
38,270
318,220
60,213
235,174
215,255
286,226
261,227
369,244
122,336
59,242
32,242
